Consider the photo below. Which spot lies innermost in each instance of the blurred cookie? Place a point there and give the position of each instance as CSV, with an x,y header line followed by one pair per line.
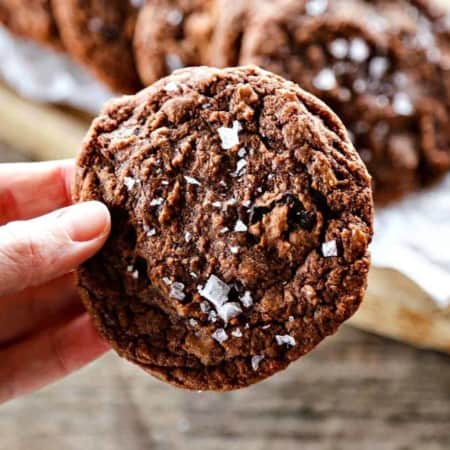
x,y
99,33
226,41
382,66
241,219
171,34
31,19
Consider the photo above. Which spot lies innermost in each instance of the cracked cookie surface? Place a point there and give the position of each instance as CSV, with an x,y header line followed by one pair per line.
x,y
241,219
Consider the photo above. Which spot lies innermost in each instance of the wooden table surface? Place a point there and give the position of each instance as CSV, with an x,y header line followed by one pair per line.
x,y
355,392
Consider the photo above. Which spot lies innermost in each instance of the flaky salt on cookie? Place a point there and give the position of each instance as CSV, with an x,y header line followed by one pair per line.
x,y
241,219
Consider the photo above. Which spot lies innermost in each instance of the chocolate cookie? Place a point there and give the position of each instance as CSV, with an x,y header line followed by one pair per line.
x,y
171,34
241,218
226,40
31,19
381,65
98,33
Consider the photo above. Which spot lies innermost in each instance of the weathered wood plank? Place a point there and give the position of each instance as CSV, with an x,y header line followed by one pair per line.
x,y
355,392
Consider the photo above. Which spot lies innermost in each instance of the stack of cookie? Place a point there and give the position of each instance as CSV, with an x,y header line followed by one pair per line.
x,y
382,65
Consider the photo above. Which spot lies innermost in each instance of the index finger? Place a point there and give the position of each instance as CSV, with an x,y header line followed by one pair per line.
x,y
29,190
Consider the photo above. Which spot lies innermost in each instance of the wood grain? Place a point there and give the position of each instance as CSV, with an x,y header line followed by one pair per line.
x,y
43,131
355,392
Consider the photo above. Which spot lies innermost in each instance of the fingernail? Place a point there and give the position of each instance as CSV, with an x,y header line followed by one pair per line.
x,y
86,221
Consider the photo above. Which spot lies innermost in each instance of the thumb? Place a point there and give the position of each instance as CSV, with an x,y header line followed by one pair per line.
x,y
36,251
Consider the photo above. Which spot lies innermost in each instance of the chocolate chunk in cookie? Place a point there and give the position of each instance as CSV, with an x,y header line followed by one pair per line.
x,y
383,66
99,33
31,19
241,219
171,34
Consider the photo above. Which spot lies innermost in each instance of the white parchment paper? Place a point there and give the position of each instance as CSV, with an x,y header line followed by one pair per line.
x,y
412,236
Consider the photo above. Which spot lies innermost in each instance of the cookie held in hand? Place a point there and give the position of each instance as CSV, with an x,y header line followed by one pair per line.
x,y
241,219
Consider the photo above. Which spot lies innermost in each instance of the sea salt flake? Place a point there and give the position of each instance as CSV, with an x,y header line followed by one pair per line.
x,y
175,17
137,3
212,317
234,249
177,291
130,269
191,180
193,323
220,335
205,307
157,202
217,204
135,275
316,7
240,227
95,24
165,183
230,136
247,203
174,62
242,152
151,232
187,236
216,291
224,230
171,87
402,104
228,311
193,274
378,67
286,340
359,50
247,299
325,80
129,183
256,361
359,86
291,318
231,202
266,327
329,249
237,333
339,48
167,281
240,167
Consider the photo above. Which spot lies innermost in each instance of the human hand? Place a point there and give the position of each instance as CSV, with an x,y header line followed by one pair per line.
x,y
45,333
